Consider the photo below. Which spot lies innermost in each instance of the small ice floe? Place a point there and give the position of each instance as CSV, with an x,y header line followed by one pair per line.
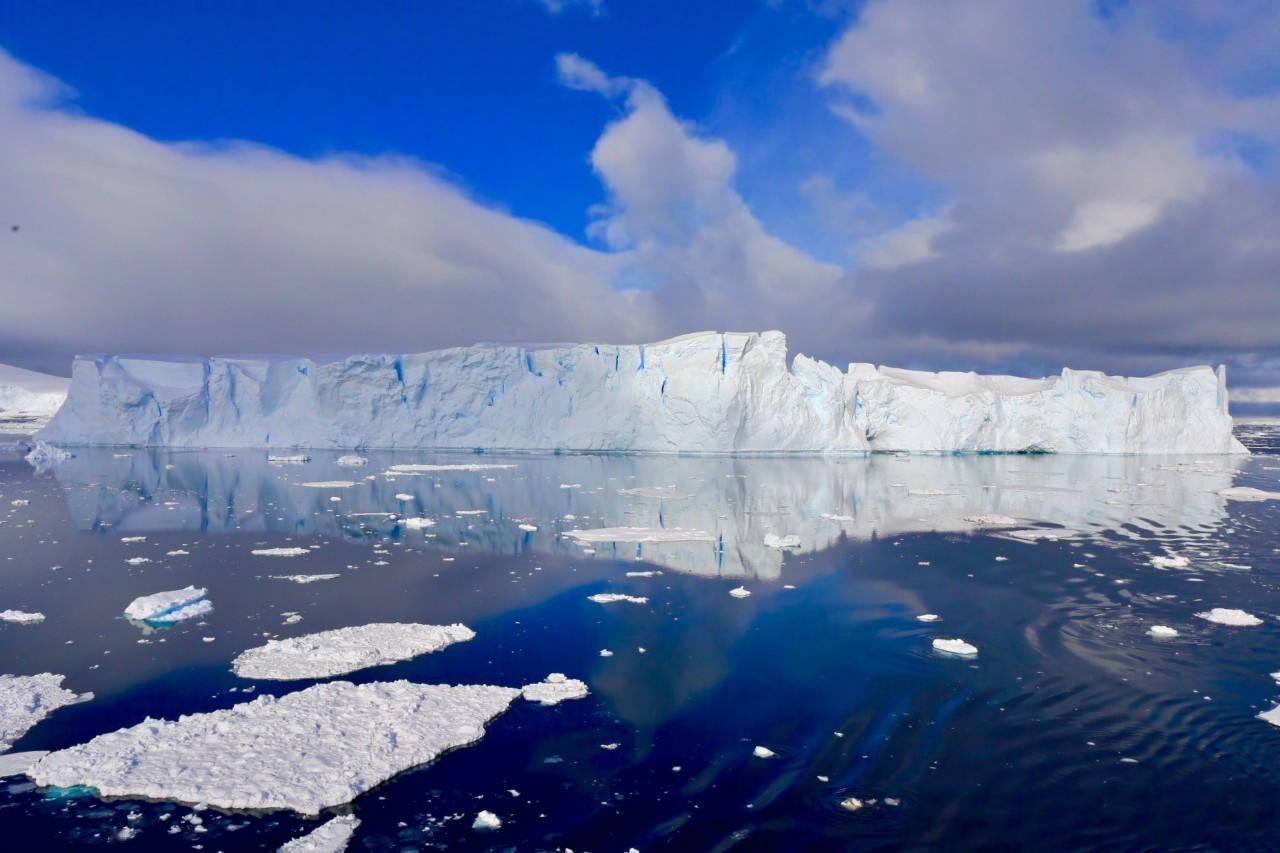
x,y
21,617
773,540
17,763
288,459
1230,616
27,699
418,523
639,534
303,578
992,520
165,608
328,484
605,653
555,689
529,528
740,592
1170,561
615,597
404,496
291,617
763,752
280,552
352,461
1272,716
19,502
128,539
330,837
177,552
643,574
430,469
1163,632
306,751
851,804
464,512
138,561
486,820
1036,534
343,650
1248,493
928,617
955,647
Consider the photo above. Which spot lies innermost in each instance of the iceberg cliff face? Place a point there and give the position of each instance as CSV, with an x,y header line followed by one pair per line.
x,y
701,393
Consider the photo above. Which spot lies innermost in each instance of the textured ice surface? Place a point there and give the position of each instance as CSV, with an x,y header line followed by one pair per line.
x,y
639,534
615,597
955,647
331,836
773,540
344,650
556,688
171,606
705,392
27,699
17,763
1232,617
306,751
21,617
1272,716
304,578
1248,493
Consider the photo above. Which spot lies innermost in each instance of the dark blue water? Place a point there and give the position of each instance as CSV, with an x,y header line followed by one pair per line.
x,y
825,663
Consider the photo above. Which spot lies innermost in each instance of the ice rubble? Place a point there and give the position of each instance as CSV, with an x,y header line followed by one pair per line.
x,y
704,392
171,606
345,650
305,751
27,699
331,836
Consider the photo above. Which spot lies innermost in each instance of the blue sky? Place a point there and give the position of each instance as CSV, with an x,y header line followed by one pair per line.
x,y
995,185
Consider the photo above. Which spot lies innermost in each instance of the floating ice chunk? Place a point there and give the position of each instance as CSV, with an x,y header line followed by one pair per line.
x,y
486,820
615,597
991,520
773,540
851,804
404,496
352,461
1272,716
45,454
138,561
17,763
344,650
289,459
304,578
418,523
177,552
528,527
330,837
639,534
555,689
21,617
306,751
740,592
127,539
280,552
763,752
1170,561
605,653
830,516
329,484
647,574
1228,616
1248,493
1162,631
928,617
171,606
431,469
27,699
956,647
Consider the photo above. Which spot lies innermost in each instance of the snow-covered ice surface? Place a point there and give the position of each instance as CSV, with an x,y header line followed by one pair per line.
x,y
1230,616
175,605
27,699
616,597
18,763
956,647
344,650
21,617
306,751
332,836
28,400
705,392
554,689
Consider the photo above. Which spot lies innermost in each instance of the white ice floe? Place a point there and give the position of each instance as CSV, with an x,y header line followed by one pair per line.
x,y
171,606
17,763
486,820
773,540
431,469
1162,631
418,523
555,689
928,617
1272,716
350,461
21,617
615,597
763,752
1170,561
1248,493
343,650
304,578
280,552
332,836
404,496
27,699
306,751
1229,616
329,484
639,534
528,528
851,804
138,561
955,647
740,592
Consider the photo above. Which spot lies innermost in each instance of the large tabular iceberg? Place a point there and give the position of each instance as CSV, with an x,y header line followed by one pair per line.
x,y
701,393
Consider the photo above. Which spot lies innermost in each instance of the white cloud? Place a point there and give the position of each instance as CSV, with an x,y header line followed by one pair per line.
x,y
555,7
909,243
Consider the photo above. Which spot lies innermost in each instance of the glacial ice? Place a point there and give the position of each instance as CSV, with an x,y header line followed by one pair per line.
x,y
171,606
306,751
344,650
27,699
332,836
705,392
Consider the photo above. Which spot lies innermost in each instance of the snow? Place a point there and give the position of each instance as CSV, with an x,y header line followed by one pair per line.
x,y
1248,493
556,688
955,647
18,763
21,617
1162,631
344,650
306,751
27,699
280,552
330,837
639,534
171,606
615,597
773,540
707,392
486,820
1228,616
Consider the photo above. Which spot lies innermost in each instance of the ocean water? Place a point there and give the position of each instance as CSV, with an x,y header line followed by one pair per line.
x,y
1072,728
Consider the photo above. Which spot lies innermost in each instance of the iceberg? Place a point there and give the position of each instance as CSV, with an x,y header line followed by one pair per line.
x,y
165,608
707,392
306,751
345,650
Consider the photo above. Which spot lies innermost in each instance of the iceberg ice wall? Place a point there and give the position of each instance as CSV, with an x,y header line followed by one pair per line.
x,y
706,392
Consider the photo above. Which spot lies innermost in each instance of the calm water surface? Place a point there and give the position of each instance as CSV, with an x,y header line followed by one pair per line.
x,y
1072,728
